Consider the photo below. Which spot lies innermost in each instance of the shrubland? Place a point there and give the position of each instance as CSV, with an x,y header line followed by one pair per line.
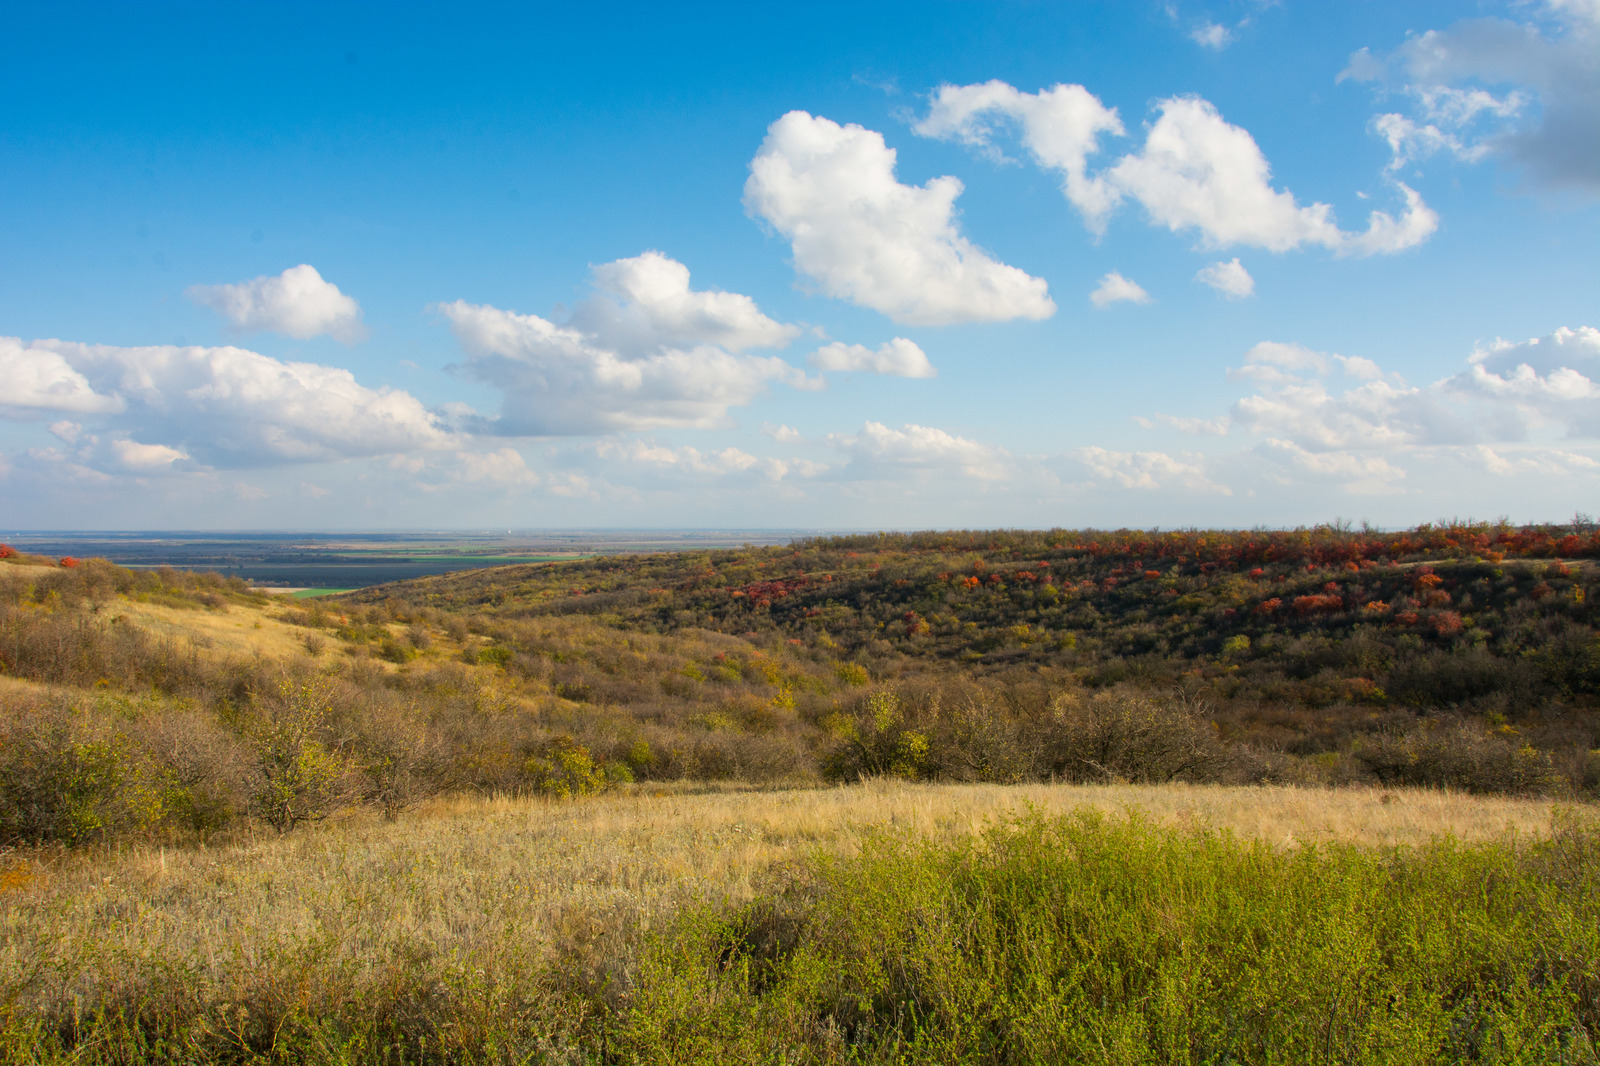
x,y
162,702
574,812
1462,655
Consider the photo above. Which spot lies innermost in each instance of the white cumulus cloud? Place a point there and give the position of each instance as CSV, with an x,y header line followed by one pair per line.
x,y
1198,172
1148,470
897,358
1114,288
1060,127
865,237
498,467
1195,172
145,458
1551,381
1532,401
719,463
879,451
648,352
645,304
297,303
37,378
1363,474
781,433
1228,277
229,406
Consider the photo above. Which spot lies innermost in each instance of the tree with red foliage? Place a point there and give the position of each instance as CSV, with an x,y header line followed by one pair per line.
x,y
1313,604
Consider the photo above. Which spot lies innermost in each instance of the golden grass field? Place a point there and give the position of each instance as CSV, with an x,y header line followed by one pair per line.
x,y
506,886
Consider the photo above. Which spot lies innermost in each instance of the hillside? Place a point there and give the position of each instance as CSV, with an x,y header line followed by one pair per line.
x,y
1456,656
1293,639
470,821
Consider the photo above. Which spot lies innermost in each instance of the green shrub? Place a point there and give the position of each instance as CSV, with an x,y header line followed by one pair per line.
x,y
494,655
81,773
295,777
395,652
875,741
852,674
566,769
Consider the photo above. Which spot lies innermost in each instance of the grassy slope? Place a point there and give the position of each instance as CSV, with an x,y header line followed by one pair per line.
x,y
513,921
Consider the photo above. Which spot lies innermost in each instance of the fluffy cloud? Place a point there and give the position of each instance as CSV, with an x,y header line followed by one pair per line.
x,y
781,433
1114,288
37,378
881,452
1148,470
499,467
1411,142
221,406
298,303
1547,462
556,382
1198,172
1447,75
1360,474
146,457
1296,405
645,304
898,358
1211,35
1229,278
722,463
1362,431
1060,127
647,352
865,237
1195,171
1549,382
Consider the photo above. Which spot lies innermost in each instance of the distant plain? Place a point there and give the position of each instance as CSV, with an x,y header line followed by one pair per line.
x,y
345,561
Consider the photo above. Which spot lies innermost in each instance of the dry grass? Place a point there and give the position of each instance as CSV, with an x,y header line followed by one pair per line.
x,y
473,886
242,630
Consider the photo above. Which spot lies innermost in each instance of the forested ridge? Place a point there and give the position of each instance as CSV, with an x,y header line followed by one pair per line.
x,y
1489,619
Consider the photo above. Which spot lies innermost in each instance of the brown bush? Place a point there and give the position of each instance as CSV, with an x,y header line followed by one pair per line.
x,y
1128,736
77,772
1460,756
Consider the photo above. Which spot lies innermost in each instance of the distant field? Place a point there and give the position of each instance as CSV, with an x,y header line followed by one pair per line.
x,y
348,561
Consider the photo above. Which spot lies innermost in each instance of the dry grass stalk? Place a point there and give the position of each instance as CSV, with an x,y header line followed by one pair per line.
x,y
516,886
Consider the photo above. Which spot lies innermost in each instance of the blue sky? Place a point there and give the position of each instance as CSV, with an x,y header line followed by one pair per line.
x,y
830,265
